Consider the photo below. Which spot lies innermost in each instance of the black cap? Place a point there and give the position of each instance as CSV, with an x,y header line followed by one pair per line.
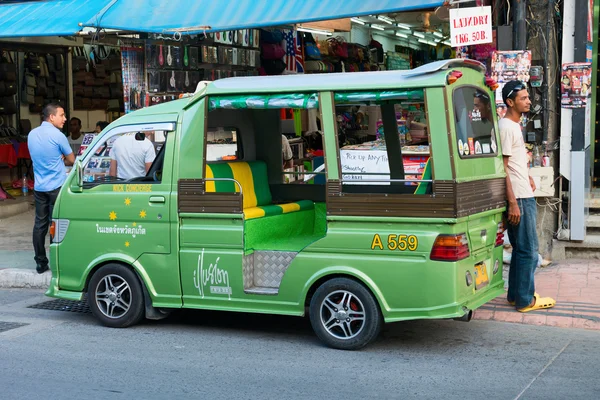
x,y
511,88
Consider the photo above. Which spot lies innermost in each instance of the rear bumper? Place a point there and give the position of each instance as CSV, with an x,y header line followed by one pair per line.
x,y
448,311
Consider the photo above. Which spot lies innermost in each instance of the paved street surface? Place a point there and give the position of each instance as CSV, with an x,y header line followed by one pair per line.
x,y
198,354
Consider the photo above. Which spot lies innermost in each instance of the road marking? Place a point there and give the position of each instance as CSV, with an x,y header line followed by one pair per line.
x,y
543,369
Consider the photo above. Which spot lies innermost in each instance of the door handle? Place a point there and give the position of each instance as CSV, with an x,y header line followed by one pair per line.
x,y
157,199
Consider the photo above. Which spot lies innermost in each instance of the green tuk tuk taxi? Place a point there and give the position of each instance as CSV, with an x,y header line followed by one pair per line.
x,y
400,219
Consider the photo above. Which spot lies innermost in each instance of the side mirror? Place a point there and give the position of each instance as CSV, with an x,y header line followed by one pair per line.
x,y
77,183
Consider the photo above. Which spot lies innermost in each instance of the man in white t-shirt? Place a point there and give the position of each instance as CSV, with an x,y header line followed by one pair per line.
x,y
522,210
75,134
131,156
286,152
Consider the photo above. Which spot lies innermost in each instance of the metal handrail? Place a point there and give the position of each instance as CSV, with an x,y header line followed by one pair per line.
x,y
387,180
225,179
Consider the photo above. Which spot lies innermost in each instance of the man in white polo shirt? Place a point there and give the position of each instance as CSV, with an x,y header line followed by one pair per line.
x,y
131,156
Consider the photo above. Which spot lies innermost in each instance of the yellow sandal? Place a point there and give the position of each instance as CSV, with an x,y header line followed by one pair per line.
x,y
540,303
512,303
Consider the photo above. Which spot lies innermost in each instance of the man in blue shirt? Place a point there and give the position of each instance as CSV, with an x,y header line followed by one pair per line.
x,y
50,152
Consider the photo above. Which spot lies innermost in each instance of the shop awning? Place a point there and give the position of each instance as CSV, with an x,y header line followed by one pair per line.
x,y
160,16
47,18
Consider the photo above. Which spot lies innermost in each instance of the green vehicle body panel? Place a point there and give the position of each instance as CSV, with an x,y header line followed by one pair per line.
x,y
177,254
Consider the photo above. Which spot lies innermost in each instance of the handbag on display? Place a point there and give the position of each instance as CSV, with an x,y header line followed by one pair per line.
x,y
100,71
28,95
272,51
44,71
59,62
60,78
273,36
116,90
79,91
338,47
8,69
8,106
274,67
32,62
51,62
41,89
312,52
88,91
113,105
30,80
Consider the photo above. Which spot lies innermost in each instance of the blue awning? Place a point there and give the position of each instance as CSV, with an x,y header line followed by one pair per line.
x,y
163,16
47,18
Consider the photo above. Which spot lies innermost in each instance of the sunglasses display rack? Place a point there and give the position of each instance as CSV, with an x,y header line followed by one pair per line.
x,y
174,67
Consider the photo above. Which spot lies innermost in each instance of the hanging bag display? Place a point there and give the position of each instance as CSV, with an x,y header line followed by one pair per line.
x,y
272,51
8,69
8,105
32,63
338,47
273,36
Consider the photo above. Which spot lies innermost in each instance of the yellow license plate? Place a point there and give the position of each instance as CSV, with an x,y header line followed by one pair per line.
x,y
481,276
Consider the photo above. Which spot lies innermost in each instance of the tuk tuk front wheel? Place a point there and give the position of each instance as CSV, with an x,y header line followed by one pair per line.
x,y
344,314
115,296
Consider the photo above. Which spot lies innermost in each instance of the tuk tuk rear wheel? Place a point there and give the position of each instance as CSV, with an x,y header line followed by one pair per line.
x,y
344,314
115,296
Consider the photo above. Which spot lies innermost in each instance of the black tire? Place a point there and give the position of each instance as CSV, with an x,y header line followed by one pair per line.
x,y
123,298
345,329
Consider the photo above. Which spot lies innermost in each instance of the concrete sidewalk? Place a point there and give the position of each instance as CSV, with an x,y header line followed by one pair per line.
x,y
17,266
574,284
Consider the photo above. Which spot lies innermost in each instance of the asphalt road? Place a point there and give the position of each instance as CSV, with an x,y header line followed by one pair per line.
x,y
198,354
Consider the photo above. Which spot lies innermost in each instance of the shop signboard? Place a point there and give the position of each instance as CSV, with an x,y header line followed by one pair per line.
x,y
575,85
469,26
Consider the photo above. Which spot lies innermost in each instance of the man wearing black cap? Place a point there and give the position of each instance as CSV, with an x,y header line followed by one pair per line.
x,y
521,203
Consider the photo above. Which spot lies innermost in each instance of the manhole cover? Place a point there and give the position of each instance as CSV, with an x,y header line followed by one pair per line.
x,y
64,305
7,326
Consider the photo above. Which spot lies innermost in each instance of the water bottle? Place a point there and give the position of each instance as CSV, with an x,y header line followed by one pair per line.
x,y
24,186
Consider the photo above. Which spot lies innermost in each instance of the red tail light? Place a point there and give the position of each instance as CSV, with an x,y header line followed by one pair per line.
x,y
500,234
450,248
491,83
453,77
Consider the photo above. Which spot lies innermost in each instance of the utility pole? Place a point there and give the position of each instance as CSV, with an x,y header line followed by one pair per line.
x,y
519,8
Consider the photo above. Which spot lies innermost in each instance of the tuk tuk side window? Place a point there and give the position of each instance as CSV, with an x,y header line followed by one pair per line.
x,y
140,155
223,144
474,122
384,142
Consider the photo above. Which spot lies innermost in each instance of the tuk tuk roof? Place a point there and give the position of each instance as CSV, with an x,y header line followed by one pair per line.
x,y
428,75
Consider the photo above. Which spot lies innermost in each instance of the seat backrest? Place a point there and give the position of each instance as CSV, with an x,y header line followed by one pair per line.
x,y
252,176
425,187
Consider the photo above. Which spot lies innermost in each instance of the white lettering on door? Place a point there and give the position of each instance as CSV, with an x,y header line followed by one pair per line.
x,y
213,278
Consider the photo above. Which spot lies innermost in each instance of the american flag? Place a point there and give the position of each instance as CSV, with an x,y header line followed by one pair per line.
x,y
293,52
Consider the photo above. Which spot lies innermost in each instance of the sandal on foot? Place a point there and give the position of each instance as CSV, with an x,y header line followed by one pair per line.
x,y
512,303
540,303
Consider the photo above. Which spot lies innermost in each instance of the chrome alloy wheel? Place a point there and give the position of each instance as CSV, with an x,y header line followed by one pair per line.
x,y
113,296
342,314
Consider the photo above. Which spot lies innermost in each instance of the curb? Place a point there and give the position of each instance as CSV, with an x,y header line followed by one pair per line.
x,y
23,278
10,208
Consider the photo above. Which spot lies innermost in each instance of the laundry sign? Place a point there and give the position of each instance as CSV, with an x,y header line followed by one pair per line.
x,y
472,25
